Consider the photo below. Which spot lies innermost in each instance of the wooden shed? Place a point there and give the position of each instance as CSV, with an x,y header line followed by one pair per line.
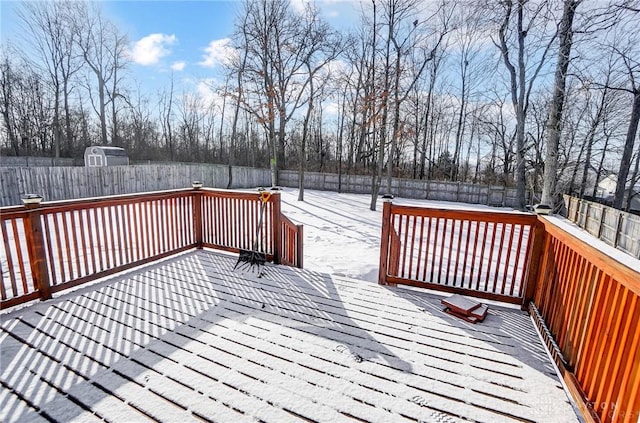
x,y
99,155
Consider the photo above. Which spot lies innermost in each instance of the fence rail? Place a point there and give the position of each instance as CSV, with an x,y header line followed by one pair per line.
x,y
485,254
54,246
35,161
619,229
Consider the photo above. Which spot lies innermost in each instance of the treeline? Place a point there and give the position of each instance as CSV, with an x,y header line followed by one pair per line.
x,y
452,90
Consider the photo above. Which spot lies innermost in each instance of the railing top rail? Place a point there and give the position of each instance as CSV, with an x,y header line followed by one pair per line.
x,y
287,221
69,205
479,215
250,195
83,203
626,275
89,200
14,213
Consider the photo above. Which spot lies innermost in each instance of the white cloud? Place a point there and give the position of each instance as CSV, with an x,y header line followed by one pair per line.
x,y
331,108
150,49
299,5
218,52
207,92
178,66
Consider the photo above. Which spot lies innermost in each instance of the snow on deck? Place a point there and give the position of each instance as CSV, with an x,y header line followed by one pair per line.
x,y
188,339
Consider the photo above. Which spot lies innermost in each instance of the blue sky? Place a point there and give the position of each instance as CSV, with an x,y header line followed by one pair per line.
x,y
187,38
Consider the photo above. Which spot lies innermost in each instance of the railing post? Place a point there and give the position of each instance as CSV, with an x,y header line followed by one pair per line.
x,y
197,213
276,230
384,242
535,261
300,250
35,246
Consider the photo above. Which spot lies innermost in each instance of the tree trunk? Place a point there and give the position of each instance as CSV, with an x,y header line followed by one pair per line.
x,y
305,134
460,124
634,179
57,130
590,141
67,117
554,127
601,163
628,151
234,126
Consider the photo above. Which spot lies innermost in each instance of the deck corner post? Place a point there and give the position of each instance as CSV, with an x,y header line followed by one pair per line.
x,y
276,230
384,242
197,214
36,249
534,264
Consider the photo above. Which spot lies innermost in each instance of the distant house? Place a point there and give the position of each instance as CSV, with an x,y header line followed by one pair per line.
x,y
607,188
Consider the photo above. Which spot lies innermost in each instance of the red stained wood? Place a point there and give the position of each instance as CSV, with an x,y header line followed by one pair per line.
x,y
129,230
459,236
426,252
512,229
589,300
18,250
129,234
384,243
10,268
450,249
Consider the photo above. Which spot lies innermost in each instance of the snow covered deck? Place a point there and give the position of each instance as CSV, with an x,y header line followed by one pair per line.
x,y
188,339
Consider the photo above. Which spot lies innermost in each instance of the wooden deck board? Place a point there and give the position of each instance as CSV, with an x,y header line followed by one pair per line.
x,y
188,339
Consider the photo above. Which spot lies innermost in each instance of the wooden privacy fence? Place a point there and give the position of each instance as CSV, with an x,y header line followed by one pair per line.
x,y
485,254
54,246
492,195
585,303
64,183
615,227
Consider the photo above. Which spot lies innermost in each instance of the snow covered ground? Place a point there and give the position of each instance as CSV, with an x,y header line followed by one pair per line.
x,y
341,233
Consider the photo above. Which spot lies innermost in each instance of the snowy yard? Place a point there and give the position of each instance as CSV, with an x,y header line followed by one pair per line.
x,y
342,236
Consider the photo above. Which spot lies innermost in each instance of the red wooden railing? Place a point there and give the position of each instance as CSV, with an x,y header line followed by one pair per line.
x,y
230,221
483,254
588,307
291,236
585,303
55,246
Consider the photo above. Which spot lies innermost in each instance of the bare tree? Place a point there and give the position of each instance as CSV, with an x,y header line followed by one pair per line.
x,y
322,46
565,35
8,83
275,55
50,30
466,38
166,118
513,32
237,66
402,44
632,67
102,48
